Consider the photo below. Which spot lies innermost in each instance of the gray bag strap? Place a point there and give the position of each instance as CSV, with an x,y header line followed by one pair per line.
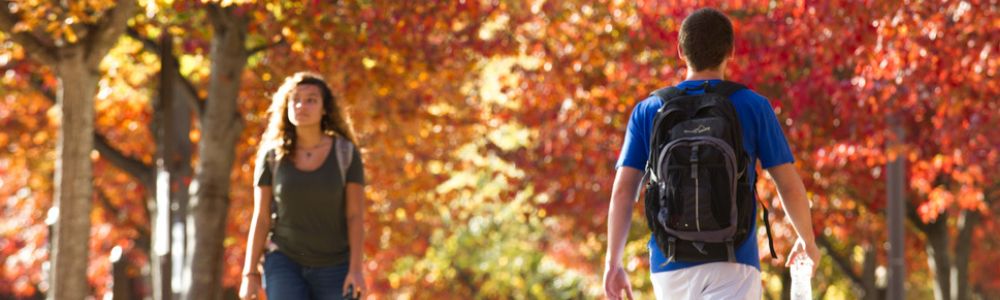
x,y
272,163
270,158
343,149
345,155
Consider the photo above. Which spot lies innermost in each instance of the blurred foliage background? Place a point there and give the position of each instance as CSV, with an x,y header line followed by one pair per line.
x,y
490,130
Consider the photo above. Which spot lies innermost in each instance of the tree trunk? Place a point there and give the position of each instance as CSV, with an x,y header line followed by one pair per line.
x,y
172,126
76,66
160,208
963,247
871,291
786,284
864,283
896,217
180,174
938,258
73,178
121,282
221,127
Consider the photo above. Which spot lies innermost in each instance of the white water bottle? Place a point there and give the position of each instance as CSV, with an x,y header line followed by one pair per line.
x,y
802,278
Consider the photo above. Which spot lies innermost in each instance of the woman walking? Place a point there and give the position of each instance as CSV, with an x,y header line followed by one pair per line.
x,y
308,199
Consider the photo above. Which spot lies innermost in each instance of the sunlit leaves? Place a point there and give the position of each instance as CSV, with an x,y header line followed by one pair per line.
x,y
496,126
66,23
26,167
833,71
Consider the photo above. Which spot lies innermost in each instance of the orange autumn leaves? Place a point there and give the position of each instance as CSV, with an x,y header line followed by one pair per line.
x,y
413,77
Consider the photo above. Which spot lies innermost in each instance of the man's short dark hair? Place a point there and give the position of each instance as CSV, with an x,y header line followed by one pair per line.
x,y
706,38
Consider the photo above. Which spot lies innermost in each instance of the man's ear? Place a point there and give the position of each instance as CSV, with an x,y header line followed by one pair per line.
x,y
680,52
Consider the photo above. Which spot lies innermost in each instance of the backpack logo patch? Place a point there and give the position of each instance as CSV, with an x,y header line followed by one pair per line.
x,y
701,129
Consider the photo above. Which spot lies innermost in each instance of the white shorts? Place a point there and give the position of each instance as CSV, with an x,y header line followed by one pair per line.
x,y
721,280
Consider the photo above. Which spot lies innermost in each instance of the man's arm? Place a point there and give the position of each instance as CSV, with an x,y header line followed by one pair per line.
x,y
793,199
623,195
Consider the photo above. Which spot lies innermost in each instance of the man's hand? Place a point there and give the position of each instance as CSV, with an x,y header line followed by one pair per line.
x,y
623,195
616,280
801,247
793,199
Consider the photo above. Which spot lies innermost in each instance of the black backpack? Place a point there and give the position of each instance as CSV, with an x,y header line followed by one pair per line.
x,y
699,198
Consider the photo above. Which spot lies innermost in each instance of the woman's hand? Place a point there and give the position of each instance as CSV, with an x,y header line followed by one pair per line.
x,y
355,278
251,287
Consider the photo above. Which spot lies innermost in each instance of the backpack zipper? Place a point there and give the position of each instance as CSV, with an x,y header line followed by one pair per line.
x,y
694,142
697,188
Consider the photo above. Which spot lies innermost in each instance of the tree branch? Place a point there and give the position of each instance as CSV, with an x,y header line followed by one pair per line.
x,y
45,91
147,43
36,82
134,167
970,220
215,13
914,218
143,240
192,92
223,18
139,170
108,29
842,262
34,46
265,46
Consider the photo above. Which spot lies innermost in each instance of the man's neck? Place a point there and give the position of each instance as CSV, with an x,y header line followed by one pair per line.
x,y
705,74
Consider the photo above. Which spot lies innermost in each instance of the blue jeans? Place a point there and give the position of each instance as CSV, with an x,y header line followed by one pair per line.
x,y
286,279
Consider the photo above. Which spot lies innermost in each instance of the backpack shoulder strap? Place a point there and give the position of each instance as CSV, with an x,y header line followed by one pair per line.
x,y
667,93
272,162
727,88
345,155
270,158
767,227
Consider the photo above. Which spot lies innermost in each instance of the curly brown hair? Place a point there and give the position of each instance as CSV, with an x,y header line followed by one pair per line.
x,y
280,132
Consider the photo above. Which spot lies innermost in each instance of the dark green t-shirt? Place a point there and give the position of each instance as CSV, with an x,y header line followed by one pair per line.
x,y
312,222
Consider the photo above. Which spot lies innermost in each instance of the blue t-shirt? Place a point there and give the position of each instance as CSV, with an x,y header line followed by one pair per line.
x,y
762,138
